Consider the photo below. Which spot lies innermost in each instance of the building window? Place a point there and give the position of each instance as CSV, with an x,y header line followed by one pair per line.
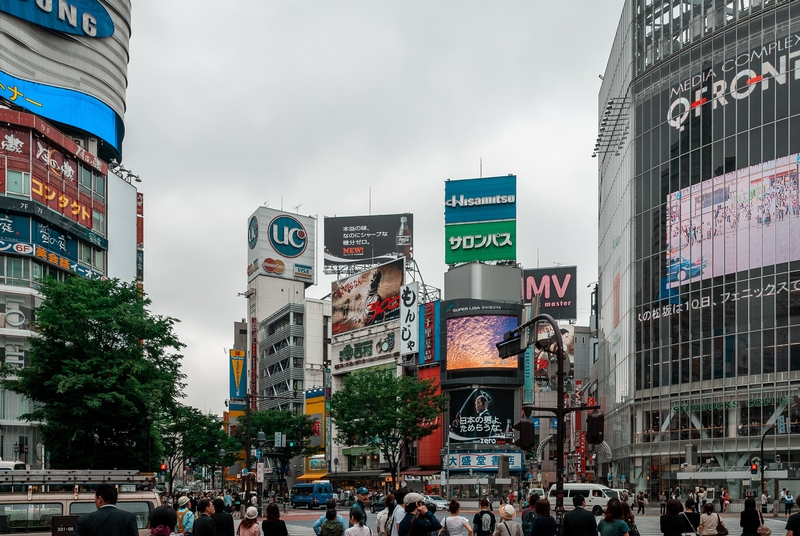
x,y
18,268
98,222
100,260
85,253
18,184
298,319
85,179
100,186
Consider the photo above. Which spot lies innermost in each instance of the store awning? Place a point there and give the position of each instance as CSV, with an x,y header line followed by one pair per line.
x,y
308,477
356,475
357,451
421,472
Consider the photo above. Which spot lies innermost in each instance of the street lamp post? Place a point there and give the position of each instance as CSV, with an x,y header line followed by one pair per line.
x,y
763,435
222,455
511,345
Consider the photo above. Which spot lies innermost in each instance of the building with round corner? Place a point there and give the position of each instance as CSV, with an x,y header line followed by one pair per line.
x,y
67,206
699,246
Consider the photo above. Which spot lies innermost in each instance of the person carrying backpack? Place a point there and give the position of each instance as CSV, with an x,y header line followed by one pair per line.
x,y
333,525
528,515
484,521
185,517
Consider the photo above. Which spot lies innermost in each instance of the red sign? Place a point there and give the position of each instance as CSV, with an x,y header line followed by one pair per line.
x,y
275,266
140,204
139,233
61,202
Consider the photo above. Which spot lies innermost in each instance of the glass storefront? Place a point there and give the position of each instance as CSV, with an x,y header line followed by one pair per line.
x,y
707,283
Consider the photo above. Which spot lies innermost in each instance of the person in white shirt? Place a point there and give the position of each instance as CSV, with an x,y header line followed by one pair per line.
x,y
358,528
385,521
399,511
454,523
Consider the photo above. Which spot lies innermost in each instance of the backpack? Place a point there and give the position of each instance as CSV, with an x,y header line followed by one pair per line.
x,y
527,522
179,526
331,527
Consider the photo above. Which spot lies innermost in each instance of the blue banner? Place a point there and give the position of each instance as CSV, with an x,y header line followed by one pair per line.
x,y
478,200
78,17
66,106
528,396
238,379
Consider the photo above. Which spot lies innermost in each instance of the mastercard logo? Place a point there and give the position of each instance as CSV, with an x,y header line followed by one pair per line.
x,y
274,266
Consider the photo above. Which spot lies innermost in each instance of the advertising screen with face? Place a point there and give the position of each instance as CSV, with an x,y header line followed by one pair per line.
x,y
545,364
471,342
481,415
735,222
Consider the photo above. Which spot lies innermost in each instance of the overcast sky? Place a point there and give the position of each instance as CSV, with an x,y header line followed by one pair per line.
x,y
311,104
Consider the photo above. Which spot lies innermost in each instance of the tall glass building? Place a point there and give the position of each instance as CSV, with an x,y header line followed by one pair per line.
x,y
699,232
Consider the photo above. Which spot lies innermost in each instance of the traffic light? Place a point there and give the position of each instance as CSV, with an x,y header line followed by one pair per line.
x,y
753,468
162,467
510,345
290,444
526,439
595,424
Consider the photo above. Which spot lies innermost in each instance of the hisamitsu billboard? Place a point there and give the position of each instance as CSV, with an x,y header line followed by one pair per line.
x,y
476,200
557,289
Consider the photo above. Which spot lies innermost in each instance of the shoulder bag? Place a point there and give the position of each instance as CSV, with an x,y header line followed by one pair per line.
x,y
444,531
763,529
722,530
689,522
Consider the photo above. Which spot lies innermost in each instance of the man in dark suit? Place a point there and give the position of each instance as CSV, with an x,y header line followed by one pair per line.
x,y
579,522
108,520
222,519
203,524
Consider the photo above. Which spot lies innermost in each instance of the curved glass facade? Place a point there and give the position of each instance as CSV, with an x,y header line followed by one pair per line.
x,y
710,178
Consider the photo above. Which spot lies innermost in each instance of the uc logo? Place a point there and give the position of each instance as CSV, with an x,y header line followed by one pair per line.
x,y
288,236
252,232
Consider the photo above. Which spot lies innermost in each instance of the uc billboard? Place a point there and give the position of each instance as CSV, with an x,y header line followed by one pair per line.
x,y
281,245
480,219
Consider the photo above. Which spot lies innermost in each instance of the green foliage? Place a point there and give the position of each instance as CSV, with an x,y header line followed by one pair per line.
x,y
100,372
190,436
377,409
296,427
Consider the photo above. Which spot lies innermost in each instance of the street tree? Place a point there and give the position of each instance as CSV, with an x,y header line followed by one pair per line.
x,y
298,429
101,370
192,438
376,408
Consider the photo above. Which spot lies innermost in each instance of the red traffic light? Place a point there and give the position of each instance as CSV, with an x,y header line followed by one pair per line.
x,y
754,468
162,467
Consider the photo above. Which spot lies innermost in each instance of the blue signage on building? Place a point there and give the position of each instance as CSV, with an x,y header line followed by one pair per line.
x,y
78,17
66,106
477,200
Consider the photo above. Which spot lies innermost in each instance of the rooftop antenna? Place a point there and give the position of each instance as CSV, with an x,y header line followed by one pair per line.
x,y
281,202
297,208
265,204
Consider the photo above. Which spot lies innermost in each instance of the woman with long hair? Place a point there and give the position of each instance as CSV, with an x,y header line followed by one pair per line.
x,y
163,521
454,523
612,523
628,517
750,518
544,524
672,523
418,520
273,525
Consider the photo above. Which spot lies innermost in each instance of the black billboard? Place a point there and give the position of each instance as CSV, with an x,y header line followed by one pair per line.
x,y
481,415
557,289
367,239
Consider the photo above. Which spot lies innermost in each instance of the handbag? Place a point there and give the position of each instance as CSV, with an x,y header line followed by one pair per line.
x,y
444,531
763,529
722,530
633,530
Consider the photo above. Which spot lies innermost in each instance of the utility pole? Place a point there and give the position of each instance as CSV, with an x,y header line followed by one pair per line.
x,y
512,345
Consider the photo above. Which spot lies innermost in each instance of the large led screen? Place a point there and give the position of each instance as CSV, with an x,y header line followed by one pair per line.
x,y
367,298
737,221
471,342
481,415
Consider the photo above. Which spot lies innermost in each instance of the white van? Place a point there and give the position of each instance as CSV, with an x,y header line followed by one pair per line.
x,y
619,493
596,496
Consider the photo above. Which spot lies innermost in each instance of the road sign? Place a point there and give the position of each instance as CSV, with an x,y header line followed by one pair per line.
x,y
278,438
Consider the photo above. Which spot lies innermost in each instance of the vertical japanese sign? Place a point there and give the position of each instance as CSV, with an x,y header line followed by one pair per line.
x,y
140,237
253,359
238,383
527,391
409,319
260,472
429,333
